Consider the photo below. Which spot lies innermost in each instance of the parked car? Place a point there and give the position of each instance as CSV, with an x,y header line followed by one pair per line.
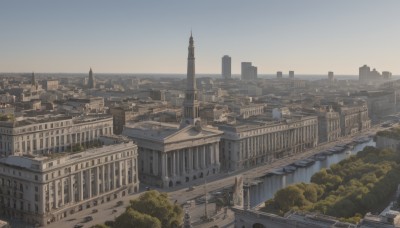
x,y
94,211
119,203
78,225
88,218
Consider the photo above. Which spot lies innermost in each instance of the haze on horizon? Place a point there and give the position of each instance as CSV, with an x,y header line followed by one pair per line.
x,y
152,36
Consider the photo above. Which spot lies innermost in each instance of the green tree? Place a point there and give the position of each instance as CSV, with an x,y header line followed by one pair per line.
x,y
131,218
290,197
159,206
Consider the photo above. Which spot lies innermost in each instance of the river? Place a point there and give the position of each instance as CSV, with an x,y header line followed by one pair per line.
x,y
264,188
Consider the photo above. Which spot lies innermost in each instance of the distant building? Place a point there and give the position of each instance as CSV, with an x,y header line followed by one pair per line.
x,y
120,117
49,85
330,76
226,67
366,75
353,119
47,188
291,74
249,72
92,80
328,125
279,74
386,75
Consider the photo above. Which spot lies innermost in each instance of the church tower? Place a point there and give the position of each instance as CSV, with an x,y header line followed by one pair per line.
x,y
91,81
190,104
33,79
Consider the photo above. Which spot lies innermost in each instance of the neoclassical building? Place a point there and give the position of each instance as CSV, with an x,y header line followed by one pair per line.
x,y
248,143
173,154
43,134
43,189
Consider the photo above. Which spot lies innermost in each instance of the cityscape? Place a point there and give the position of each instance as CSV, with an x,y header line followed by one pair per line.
x,y
239,140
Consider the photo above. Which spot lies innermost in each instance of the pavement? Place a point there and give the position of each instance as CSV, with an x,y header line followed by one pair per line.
x,y
181,194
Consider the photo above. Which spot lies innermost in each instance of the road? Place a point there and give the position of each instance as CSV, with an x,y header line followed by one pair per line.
x,y
182,195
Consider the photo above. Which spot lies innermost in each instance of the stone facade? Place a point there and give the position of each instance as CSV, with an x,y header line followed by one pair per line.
x,y
328,126
44,189
170,156
247,144
51,134
354,119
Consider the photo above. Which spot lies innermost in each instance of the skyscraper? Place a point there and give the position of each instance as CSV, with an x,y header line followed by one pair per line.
x,y
279,74
330,76
190,104
363,73
249,72
226,67
291,74
91,82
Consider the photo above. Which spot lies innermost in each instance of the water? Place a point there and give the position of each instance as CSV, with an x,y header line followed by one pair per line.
x,y
266,187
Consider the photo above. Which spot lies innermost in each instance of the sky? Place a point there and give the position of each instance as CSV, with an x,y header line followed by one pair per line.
x,y
307,36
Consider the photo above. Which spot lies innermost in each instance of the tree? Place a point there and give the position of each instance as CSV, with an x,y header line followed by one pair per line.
x,y
159,206
290,197
131,218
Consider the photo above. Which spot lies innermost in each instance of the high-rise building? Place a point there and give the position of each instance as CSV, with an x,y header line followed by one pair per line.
x,y
249,72
226,67
330,76
291,74
363,73
279,74
92,81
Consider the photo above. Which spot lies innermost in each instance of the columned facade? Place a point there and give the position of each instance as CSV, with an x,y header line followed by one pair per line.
x,y
248,144
46,190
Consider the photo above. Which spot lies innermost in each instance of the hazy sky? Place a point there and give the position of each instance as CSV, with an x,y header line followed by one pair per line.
x,y
152,36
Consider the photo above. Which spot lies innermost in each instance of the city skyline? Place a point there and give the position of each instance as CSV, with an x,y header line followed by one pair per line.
x,y
308,37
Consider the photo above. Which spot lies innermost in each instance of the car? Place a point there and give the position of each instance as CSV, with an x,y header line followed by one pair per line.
x,y
191,188
94,211
78,225
88,218
119,203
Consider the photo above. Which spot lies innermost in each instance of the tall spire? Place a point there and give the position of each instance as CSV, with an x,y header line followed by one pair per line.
x,y
33,79
190,104
91,81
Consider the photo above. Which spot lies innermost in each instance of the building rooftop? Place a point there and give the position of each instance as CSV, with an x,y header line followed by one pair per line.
x,y
38,162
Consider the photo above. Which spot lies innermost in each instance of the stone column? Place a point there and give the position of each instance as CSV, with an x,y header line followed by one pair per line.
x,y
184,155
163,165
204,157
96,181
62,191
173,168
55,198
103,180
80,185
126,171
71,190
89,183
155,162
195,158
